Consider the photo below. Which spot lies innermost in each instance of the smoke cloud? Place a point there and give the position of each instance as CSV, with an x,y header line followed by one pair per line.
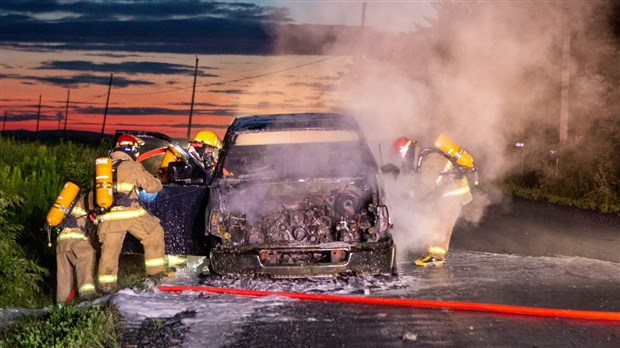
x,y
487,75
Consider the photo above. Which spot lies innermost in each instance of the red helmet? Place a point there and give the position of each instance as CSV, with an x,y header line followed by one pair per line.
x,y
128,140
129,144
402,145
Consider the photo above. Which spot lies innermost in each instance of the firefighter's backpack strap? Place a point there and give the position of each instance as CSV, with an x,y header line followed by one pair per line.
x,y
122,190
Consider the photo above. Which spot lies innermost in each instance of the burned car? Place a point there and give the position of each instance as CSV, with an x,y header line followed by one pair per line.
x,y
298,195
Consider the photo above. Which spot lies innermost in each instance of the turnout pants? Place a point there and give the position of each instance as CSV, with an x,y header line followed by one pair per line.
x,y
70,254
439,219
146,229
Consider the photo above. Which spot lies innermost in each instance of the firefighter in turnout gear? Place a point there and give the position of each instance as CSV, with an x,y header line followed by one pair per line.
x,y
75,254
442,187
205,147
126,214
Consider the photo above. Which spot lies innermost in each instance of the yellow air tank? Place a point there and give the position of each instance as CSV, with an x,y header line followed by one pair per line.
x,y
62,204
450,148
171,155
104,192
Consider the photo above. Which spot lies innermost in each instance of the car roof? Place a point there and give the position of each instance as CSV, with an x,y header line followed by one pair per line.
x,y
275,122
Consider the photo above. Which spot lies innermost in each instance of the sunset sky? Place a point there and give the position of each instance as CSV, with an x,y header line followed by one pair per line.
x,y
67,50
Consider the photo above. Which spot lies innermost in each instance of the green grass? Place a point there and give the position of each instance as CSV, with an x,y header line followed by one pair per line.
x,y
21,278
32,174
65,327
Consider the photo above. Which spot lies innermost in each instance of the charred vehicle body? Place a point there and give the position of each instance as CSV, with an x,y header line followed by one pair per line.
x,y
292,195
298,195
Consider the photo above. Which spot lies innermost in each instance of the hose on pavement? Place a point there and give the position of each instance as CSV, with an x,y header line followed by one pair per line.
x,y
387,301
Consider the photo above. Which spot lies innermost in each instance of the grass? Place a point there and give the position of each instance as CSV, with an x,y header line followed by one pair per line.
x,y
69,326
21,277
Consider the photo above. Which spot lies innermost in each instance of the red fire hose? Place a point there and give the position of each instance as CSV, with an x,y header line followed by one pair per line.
x,y
386,301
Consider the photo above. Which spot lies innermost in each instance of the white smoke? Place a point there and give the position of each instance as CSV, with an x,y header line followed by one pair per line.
x,y
481,74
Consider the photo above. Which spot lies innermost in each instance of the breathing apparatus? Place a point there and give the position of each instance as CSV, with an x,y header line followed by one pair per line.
x,y
61,207
463,162
172,154
104,182
105,169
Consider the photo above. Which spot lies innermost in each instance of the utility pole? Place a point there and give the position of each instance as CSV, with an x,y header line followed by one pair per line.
x,y
565,88
6,114
361,38
191,108
38,117
363,15
107,102
66,113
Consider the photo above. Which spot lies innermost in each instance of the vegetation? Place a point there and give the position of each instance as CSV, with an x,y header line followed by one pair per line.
x,y
572,175
20,277
31,176
65,327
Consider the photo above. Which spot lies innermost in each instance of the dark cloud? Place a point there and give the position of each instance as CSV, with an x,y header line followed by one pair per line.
x,y
75,81
132,111
227,91
187,27
196,104
315,85
199,126
123,67
268,93
20,117
222,112
141,9
193,26
112,55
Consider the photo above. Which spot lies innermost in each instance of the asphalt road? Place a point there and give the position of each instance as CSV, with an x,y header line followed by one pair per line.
x,y
519,226
522,253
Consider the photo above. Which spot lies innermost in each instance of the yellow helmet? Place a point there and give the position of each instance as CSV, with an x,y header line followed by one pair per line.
x,y
209,138
451,149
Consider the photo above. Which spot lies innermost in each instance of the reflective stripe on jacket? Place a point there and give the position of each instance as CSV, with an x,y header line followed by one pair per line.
x,y
459,191
117,213
71,233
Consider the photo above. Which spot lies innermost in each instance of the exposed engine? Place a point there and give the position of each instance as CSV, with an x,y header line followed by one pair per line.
x,y
339,216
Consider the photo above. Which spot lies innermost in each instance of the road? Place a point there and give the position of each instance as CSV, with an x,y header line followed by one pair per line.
x,y
531,254
519,226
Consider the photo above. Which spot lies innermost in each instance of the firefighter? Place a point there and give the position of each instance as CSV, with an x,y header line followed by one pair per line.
x,y
127,215
75,253
205,148
441,187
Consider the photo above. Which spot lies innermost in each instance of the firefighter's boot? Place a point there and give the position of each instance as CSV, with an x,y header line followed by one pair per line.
x,y
430,260
436,256
88,296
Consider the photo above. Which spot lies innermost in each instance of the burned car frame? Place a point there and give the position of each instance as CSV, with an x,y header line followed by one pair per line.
x,y
298,195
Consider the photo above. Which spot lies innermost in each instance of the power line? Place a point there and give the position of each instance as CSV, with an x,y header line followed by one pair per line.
x,y
234,80
270,73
